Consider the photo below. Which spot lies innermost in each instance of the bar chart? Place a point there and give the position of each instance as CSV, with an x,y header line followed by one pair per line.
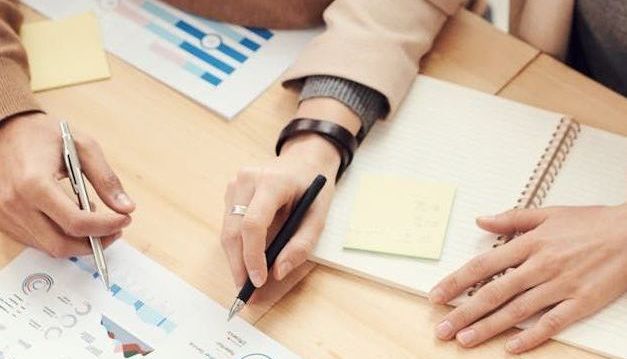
x,y
219,65
145,311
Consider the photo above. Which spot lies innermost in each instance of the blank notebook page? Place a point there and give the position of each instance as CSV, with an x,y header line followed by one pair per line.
x,y
485,146
595,172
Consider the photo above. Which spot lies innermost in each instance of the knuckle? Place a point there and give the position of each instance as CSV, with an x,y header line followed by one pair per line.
x,y
553,322
246,174
450,286
57,250
461,316
301,249
492,295
111,180
76,227
9,198
251,223
228,236
29,183
519,310
478,267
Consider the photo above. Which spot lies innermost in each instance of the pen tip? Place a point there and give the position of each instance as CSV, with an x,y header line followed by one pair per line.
x,y
236,307
105,281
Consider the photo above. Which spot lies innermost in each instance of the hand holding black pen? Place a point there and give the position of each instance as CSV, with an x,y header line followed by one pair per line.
x,y
282,238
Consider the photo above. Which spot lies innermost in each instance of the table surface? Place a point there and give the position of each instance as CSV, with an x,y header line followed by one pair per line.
x,y
175,158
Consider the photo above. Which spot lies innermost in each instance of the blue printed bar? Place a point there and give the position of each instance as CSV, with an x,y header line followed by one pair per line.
x,y
188,28
226,31
196,51
264,33
199,34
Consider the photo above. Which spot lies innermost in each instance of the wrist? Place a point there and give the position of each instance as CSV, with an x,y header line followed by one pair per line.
x,y
314,149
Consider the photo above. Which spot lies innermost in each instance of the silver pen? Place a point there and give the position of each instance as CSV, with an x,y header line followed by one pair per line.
x,y
73,165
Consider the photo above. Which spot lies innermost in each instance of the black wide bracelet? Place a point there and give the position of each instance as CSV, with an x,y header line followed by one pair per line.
x,y
338,136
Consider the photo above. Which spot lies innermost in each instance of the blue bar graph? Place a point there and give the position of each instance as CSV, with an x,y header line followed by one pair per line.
x,y
190,29
145,312
226,31
212,47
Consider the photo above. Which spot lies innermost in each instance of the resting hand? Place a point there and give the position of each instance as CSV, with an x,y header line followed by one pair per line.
x,y
270,192
34,208
570,262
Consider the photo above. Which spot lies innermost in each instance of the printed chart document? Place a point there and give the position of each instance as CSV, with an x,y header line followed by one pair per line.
x,y
64,52
221,66
59,309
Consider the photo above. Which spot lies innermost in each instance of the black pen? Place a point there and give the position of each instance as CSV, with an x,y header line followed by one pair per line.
x,y
282,238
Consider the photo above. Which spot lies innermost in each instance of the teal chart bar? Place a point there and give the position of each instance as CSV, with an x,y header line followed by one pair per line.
x,y
144,311
166,24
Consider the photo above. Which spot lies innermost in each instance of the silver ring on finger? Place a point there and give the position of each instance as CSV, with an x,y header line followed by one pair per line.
x,y
239,210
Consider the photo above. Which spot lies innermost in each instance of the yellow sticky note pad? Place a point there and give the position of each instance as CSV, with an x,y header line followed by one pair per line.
x,y
398,215
65,52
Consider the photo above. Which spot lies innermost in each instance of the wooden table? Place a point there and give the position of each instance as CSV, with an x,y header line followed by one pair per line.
x,y
176,157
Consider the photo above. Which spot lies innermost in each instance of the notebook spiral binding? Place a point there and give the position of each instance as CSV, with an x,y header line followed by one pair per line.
x,y
540,181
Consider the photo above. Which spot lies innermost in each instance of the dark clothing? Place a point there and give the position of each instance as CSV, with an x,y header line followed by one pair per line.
x,y
598,46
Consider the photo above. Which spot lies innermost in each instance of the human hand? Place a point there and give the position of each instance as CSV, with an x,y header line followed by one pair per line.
x,y
33,206
569,263
270,192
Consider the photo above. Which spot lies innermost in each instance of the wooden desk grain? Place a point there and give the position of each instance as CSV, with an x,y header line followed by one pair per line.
x,y
548,84
176,157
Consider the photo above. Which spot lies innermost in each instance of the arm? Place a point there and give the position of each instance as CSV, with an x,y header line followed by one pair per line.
x,y
370,49
276,14
33,207
15,93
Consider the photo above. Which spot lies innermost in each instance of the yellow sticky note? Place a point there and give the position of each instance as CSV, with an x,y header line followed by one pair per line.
x,y
65,52
398,215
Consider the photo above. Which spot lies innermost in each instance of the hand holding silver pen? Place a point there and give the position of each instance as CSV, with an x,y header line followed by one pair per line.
x,y
35,209
75,174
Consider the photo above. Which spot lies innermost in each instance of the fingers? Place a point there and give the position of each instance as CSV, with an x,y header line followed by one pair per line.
x,y
50,239
513,313
298,248
266,202
515,220
486,300
73,221
238,192
549,325
105,181
480,268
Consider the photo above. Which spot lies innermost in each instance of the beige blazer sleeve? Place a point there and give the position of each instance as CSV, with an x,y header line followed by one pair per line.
x,y
377,43
15,94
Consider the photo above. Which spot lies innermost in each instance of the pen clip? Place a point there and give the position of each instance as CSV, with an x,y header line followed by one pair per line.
x,y
68,149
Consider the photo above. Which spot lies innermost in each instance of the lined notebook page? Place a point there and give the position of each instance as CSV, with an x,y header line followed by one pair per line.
x,y
485,146
595,172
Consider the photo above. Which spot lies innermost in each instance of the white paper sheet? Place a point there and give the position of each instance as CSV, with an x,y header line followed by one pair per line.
x,y
58,309
221,66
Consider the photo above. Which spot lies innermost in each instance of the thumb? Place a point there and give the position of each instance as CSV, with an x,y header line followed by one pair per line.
x,y
515,220
105,181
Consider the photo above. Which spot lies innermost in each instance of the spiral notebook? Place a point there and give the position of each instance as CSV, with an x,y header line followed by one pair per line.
x,y
499,154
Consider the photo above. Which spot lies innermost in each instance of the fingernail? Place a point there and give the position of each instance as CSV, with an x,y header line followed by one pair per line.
x,y
436,296
513,346
123,200
255,277
444,330
466,336
486,218
284,269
